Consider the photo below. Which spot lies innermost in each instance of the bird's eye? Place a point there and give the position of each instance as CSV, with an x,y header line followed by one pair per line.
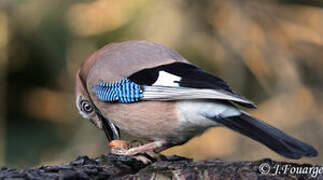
x,y
86,106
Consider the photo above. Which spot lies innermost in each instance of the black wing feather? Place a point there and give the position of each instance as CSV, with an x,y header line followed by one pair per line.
x,y
192,76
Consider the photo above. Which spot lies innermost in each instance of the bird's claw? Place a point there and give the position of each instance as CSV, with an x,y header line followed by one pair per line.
x,y
120,147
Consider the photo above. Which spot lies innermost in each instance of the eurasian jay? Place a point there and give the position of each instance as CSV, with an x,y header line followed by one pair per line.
x,y
153,93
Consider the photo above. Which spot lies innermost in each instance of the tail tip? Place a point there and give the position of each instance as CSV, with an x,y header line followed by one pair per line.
x,y
310,152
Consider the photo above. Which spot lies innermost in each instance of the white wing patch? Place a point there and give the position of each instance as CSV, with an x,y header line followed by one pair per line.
x,y
167,79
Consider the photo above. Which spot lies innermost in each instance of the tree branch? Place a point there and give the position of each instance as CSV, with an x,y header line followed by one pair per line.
x,y
174,167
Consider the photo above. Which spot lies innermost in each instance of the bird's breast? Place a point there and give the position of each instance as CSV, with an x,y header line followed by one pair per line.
x,y
151,120
173,121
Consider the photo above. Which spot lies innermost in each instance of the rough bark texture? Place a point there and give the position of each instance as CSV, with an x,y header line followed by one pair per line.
x,y
122,167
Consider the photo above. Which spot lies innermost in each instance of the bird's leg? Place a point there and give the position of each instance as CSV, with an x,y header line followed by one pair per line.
x,y
155,146
151,149
124,148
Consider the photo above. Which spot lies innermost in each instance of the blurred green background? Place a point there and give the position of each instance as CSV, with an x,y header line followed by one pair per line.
x,y
269,51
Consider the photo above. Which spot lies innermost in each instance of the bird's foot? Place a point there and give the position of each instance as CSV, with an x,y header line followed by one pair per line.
x,y
142,152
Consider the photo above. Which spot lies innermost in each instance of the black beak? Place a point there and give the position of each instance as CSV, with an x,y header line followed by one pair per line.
x,y
111,131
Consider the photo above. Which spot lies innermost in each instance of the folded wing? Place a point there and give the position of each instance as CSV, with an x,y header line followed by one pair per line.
x,y
179,81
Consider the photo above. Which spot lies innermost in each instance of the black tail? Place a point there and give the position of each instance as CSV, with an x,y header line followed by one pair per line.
x,y
273,138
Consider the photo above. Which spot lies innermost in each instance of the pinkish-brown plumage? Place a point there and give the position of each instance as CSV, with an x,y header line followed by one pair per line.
x,y
132,118
178,100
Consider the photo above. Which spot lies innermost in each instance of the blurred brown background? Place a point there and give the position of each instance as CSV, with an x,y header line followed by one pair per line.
x,y
269,51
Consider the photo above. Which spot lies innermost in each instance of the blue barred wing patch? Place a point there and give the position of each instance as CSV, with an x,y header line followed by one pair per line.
x,y
123,91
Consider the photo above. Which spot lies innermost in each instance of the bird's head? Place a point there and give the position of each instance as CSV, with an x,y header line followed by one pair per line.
x,y
84,104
